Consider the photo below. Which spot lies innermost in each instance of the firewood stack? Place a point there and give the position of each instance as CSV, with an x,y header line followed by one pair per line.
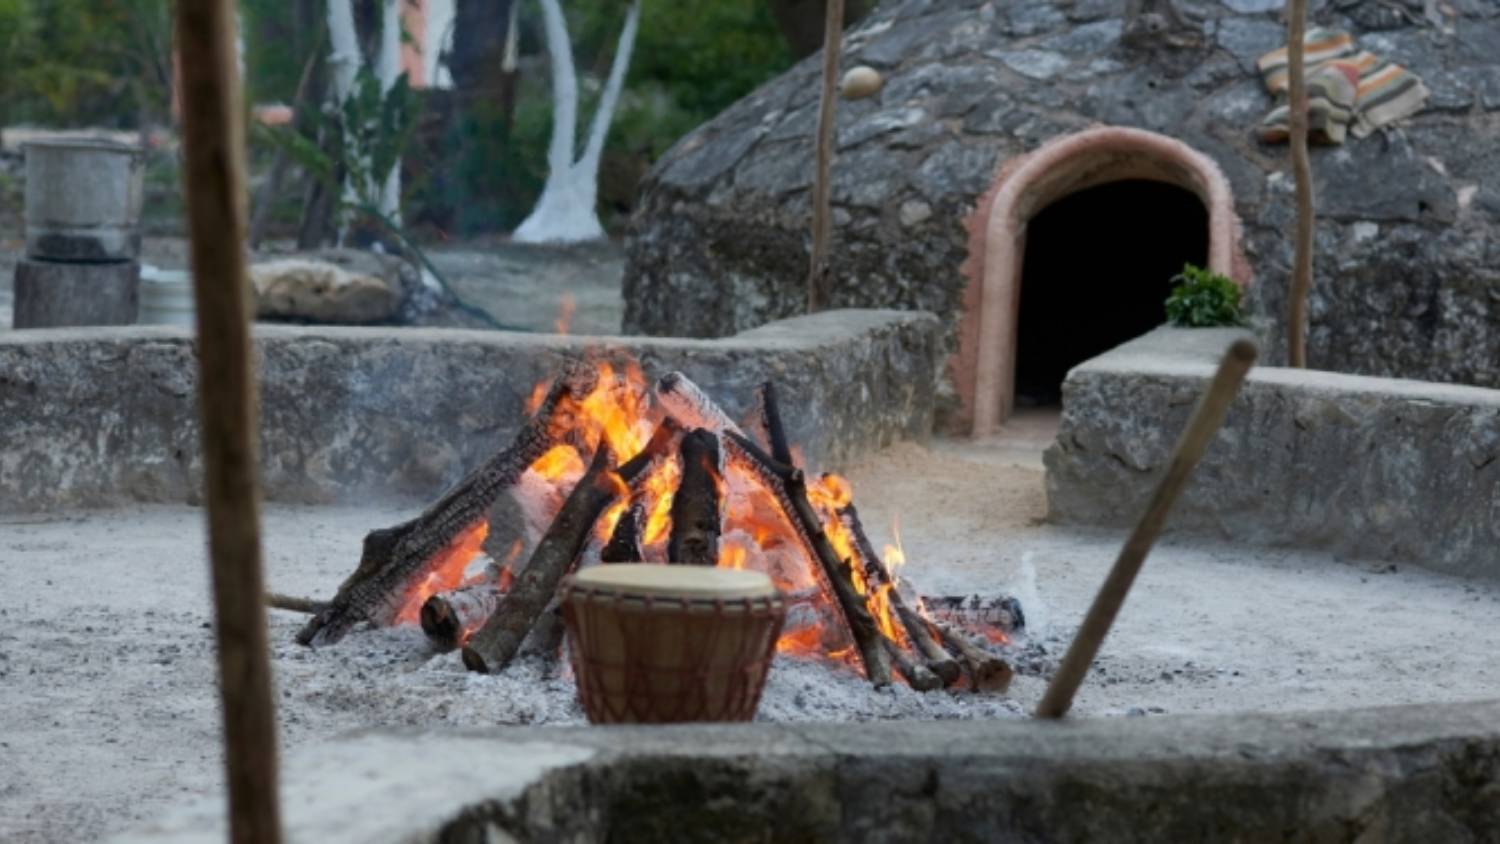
x,y
617,512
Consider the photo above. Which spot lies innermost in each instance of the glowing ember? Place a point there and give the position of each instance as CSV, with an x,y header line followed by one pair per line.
x,y
447,571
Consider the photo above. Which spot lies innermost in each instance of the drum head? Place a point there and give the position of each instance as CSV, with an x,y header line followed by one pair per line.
x,y
690,582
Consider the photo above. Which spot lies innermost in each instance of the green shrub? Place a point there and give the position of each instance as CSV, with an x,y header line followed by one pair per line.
x,y
1203,299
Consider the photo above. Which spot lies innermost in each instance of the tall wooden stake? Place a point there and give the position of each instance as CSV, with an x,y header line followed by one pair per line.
x,y
1302,173
1205,422
820,274
213,159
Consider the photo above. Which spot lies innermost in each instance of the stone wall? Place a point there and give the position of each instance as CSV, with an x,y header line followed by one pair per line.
x,y
105,416
1406,773
1372,468
1409,238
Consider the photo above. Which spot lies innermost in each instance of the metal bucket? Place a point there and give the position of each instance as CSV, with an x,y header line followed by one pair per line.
x,y
83,200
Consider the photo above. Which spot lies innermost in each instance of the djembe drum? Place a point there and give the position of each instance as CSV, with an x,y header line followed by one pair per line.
x,y
653,644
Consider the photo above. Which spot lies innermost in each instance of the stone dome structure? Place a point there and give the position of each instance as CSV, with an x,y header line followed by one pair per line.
x,y
1116,139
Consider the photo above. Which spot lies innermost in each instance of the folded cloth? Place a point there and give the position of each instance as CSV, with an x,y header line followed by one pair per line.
x,y
1383,92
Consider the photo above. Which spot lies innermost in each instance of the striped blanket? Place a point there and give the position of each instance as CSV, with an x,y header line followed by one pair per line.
x,y
1348,89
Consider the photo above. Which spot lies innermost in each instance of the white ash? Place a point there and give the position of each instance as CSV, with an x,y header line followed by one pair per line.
x,y
391,676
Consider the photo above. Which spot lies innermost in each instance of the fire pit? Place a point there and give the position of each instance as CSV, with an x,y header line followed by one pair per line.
x,y
697,490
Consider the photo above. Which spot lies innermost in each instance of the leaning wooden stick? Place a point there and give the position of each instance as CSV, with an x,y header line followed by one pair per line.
x,y
819,273
1207,417
213,141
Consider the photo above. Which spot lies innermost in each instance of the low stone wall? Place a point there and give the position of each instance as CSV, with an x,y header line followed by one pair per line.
x,y
1376,468
98,417
1409,773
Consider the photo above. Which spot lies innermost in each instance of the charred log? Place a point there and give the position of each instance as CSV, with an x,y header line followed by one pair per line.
x,y
624,544
917,632
450,617
987,672
789,486
769,408
496,643
690,406
397,558
293,603
695,507
1000,615
917,675
501,637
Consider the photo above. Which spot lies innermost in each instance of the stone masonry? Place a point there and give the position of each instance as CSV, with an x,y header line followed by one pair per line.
x,y
1409,232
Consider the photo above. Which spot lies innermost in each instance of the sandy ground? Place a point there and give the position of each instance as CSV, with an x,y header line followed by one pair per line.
x,y
107,678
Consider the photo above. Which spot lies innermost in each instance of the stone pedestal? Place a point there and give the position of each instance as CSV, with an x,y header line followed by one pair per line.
x,y
51,293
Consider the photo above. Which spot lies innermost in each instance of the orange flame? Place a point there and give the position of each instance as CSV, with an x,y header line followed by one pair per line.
x,y
447,570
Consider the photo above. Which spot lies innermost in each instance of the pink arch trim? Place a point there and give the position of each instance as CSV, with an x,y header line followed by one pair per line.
x,y
1028,183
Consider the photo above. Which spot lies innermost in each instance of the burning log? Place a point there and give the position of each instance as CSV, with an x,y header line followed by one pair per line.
x,y
1002,615
498,641
987,672
917,675
938,660
397,558
624,544
790,488
690,406
695,507
769,408
448,618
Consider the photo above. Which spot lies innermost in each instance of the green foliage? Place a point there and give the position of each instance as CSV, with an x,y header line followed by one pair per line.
x,y
367,135
1203,299
75,62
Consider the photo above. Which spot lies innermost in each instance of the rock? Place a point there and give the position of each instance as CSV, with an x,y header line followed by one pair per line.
x,y
342,287
860,82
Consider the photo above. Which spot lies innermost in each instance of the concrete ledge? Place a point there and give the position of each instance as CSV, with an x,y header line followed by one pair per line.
x,y
1409,773
100,417
1376,468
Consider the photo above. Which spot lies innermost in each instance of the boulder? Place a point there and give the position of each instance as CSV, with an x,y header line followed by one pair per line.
x,y
342,286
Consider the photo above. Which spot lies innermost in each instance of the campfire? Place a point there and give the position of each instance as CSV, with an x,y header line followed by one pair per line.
x,y
609,469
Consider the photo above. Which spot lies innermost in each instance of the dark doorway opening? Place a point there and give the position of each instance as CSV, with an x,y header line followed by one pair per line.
x,y
1097,270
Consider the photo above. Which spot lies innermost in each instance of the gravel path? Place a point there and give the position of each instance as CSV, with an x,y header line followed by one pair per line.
x,y
107,682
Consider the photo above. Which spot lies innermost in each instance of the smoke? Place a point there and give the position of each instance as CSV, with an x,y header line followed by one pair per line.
x,y
1024,590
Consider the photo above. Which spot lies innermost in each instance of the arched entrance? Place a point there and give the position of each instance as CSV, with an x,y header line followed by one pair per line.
x,y
1136,177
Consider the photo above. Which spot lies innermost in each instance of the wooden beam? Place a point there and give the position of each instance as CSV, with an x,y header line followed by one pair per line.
x,y
213,141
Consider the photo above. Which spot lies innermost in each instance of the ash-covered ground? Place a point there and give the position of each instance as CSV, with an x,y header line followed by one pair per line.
x,y
107,677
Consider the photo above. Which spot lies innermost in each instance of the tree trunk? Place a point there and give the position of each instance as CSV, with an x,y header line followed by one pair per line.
x,y
1302,173
801,22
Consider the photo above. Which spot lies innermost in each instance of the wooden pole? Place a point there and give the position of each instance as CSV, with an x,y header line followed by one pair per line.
x,y
819,273
213,140
1207,417
1302,174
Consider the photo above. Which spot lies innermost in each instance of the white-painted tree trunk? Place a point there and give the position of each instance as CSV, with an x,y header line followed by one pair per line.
x,y
388,71
565,213
344,59
438,38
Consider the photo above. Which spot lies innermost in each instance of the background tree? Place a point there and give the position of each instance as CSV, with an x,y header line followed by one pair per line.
x,y
566,213
801,21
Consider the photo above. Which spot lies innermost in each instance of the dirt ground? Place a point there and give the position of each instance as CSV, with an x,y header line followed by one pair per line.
x,y
108,688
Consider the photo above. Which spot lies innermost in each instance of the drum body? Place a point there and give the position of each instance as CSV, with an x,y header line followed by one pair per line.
x,y
655,644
